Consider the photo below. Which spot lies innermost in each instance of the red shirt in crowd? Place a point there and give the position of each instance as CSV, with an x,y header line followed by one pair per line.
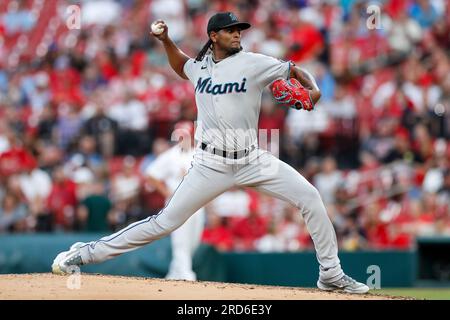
x,y
219,237
274,120
61,202
247,230
309,41
377,235
65,86
15,160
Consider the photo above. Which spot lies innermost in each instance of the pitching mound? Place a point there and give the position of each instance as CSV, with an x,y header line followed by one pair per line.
x,y
49,286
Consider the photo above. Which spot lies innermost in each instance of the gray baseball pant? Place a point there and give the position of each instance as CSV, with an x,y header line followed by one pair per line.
x,y
209,176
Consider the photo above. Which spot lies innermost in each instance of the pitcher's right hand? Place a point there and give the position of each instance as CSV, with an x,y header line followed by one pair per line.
x,y
164,34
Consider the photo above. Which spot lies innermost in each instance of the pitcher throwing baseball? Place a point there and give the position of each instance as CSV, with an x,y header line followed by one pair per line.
x,y
228,87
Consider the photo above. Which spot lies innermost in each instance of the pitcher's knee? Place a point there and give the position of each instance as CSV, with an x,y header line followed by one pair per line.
x,y
168,228
310,199
312,194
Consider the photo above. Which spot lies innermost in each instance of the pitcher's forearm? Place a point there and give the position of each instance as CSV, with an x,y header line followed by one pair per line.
x,y
176,57
308,81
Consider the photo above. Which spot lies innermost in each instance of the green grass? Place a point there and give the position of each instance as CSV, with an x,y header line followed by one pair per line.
x,y
418,293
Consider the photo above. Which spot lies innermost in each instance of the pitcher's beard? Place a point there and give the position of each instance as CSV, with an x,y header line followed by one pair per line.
x,y
232,51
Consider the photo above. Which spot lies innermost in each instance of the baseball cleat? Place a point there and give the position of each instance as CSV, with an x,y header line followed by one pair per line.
x,y
346,283
66,259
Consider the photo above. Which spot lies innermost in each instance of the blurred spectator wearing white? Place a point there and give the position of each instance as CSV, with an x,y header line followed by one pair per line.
x,y
18,18
12,214
232,203
328,180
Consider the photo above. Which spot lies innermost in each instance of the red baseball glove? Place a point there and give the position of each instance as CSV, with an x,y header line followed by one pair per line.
x,y
291,93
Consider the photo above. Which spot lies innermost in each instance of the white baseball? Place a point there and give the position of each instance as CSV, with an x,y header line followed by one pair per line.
x,y
157,28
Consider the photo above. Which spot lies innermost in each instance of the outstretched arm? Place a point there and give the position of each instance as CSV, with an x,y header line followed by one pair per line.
x,y
307,80
177,58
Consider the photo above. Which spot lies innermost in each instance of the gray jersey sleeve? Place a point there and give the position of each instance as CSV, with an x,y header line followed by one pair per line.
x,y
268,69
189,69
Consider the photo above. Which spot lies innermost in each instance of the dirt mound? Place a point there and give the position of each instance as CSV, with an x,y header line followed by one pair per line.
x,y
92,286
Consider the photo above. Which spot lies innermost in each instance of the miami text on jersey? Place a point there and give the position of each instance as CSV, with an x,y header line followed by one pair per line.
x,y
206,85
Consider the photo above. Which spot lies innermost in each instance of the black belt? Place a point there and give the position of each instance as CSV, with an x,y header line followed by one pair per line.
x,y
228,154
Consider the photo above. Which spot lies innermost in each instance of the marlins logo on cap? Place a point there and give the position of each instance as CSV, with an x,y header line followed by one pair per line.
x,y
233,17
222,20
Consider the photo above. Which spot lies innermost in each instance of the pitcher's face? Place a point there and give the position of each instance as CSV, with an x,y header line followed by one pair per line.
x,y
228,39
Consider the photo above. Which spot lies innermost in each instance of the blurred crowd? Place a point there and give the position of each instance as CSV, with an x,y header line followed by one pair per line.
x,y
83,112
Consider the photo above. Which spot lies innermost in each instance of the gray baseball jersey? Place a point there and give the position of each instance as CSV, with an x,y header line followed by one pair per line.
x,y
228,95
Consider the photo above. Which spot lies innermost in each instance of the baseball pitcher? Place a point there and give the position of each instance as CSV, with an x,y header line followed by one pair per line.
x,y
228,86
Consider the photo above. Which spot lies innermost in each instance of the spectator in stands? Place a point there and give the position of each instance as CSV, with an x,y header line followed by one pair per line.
x,y
87,148
232,203
102,128
88,96
47,121
424,13
217,232
39,94
328,180
444,191
401,149
35,185
291,230
326,83
18,18
68,126
132,117
305,39
94,212
248,229
353,237
92,79
173,13
422,143
13,214
403,33
126,183
270,241
62,201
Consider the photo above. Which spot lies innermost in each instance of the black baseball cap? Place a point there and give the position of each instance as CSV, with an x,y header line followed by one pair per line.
x,y
224,20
